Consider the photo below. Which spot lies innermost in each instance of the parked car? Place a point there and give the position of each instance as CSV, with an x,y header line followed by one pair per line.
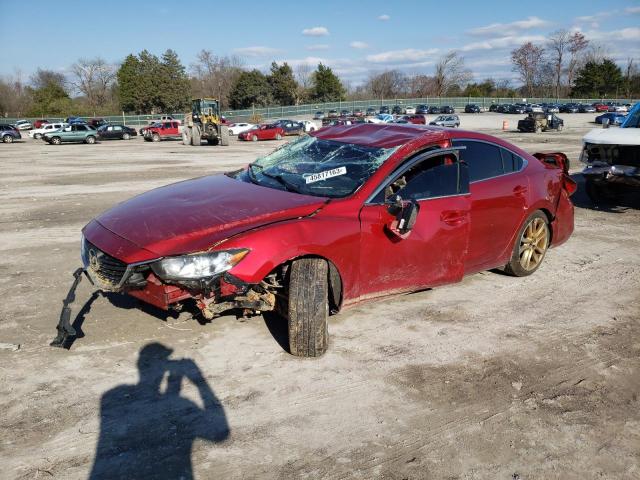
x,y
613,117
493,107
23,125
417,119
319,115
116,132
75,120
143,130
238,128
533,108
290,127
381,118
616,107
397,110
163,131
371,111
515,109
446,121
410,110
447,109
331,219
569,108
357,112
422,109
338,121
269,131
332,114
384,109
308,126
471,108
97,122
552,108
434,110
169,118
9,133
74,133
600,107
586,108
345,113
503,108
540,122
46,128
39,123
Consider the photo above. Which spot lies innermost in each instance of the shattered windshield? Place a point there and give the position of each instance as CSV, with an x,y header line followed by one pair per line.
x,y
313,166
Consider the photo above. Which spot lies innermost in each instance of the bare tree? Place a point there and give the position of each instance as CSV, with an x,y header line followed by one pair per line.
x,y
577,45
421,86
596,53
527,61
558,44
450,71
94,79
630,72
214,76
41,78
304,73
387,84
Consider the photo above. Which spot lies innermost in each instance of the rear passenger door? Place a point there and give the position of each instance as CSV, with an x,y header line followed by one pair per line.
x,y
499,199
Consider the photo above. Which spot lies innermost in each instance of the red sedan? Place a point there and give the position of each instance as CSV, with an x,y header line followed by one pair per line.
x,y
342,215
600,107
263,132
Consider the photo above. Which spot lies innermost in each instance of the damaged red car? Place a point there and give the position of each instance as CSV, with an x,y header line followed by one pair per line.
x,y
345,214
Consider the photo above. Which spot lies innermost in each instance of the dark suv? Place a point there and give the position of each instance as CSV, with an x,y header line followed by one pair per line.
x,y
9,133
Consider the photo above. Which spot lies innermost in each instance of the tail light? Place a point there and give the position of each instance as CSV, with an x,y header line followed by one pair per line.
x,y
569,184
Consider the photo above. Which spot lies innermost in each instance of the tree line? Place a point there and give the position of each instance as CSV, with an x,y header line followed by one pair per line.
x,y
568,64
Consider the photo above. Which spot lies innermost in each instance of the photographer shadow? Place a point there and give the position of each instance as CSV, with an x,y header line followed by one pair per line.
x,y
146,432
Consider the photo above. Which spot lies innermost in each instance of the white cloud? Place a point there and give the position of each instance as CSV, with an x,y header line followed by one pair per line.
x,y
632,33
257,51
318,46
407,55
503,42
359,45
595,17
632,10
512,28
384,17
316,32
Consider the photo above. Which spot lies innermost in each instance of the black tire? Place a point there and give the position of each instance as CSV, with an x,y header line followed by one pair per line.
x,y
213,141
37,136
254,138
224,135
126,136
308,307
90,140
514,267
155,137
196,137
7,139
278,136
55,141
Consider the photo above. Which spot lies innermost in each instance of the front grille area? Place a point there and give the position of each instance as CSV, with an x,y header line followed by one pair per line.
x,y
103,266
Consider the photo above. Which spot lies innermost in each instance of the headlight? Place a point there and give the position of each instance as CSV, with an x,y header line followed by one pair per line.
x,y
199,265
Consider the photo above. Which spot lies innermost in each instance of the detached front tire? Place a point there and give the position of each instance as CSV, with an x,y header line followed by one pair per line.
x,y
308,307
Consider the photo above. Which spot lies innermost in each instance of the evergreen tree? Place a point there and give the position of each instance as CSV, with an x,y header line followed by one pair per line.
x,y
326,85
251,89
50,99
175,93
598,79
283,85
128,84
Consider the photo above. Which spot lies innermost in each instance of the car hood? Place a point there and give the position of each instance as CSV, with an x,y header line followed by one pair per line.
x,y
196,214
613,136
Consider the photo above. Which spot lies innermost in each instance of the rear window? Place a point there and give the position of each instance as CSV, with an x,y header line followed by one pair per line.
x,y
484,159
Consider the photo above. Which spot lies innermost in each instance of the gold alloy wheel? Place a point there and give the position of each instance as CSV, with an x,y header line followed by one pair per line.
x,y
533,244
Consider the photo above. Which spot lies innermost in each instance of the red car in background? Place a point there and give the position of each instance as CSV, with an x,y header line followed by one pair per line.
x,y
600,107
416,119
263,132
336,217
40,123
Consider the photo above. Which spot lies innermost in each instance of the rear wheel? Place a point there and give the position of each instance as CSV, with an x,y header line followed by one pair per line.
x,y
55,141
90,140
186,136
254,138
224,135
126,136
308,307
7,139
530,246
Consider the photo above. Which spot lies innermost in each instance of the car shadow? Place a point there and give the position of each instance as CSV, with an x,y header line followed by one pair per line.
x,y
619,203
147,429
278,328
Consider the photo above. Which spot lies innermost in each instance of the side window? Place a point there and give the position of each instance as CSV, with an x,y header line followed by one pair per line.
x,y
82,128
116,129
484,159
511,161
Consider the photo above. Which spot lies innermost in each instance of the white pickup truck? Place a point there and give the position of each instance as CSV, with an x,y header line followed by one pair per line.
x,y
164,118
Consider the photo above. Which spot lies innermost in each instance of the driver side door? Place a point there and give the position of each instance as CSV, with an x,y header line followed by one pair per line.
x,y
433,251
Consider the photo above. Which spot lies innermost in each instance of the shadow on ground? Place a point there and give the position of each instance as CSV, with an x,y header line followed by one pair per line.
x,y
147,431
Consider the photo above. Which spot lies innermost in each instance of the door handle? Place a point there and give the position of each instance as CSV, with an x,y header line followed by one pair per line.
x,y
453,217
520,190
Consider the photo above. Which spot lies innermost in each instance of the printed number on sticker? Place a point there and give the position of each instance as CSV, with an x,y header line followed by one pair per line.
x,y
317,177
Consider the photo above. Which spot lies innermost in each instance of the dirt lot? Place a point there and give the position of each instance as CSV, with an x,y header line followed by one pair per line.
x,y
492,378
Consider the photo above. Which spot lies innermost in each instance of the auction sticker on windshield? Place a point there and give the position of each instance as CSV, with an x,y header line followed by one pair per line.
x,y
317,177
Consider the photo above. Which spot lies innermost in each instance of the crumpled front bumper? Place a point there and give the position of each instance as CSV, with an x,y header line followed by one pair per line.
x,y
620,174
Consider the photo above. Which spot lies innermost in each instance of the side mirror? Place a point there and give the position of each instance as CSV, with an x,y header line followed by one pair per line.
x,y
406,215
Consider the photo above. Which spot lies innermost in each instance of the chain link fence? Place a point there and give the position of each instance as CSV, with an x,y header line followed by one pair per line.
x,y
309,109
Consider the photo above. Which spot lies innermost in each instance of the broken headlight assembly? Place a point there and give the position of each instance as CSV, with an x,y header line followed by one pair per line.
x,y
197,266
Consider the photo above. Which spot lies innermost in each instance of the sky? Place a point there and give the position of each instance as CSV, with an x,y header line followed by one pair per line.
x,y
354,37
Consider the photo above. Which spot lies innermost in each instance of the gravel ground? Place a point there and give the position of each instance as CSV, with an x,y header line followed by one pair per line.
x,y
492,378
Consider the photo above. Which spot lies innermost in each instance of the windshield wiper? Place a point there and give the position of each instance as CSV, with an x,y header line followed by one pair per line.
x,y
287,185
